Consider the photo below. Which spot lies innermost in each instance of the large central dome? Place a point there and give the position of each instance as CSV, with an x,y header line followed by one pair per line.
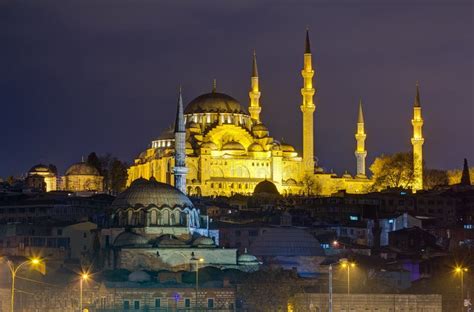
x,y
214,102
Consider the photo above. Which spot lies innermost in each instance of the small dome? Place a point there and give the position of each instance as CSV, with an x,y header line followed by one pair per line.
x,y
146,193
204,241
209,145
168,134
346,175
276,147
233,146
139,276
170,242
130,239
255,147
287,148
247,259
266,187
259,127
82,168
188,145
40,169
214,102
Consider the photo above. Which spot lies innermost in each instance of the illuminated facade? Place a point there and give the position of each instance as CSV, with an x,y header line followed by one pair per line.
x,y
417,141
229,150
82,177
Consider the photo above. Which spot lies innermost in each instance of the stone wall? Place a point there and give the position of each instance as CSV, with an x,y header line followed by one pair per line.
x,y
366,302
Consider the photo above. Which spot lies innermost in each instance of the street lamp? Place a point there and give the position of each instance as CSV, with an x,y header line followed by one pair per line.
x,y
14,270
461,270
193,258
346,264
83,278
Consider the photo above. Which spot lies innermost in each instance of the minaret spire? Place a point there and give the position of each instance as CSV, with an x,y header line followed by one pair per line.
x,y
308,108
254,94
307,48
360,152
180,169
465,177
417,142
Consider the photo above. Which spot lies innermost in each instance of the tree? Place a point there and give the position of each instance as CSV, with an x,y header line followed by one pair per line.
x,y
117,176
263,291
312,187
392,171
94,161
433,178
53,169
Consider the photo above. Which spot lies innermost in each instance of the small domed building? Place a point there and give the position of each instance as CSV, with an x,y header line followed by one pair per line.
x,y
154,226
82,177
42,177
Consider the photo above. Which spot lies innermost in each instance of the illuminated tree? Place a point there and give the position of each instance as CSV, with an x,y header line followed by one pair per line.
x,y
392,171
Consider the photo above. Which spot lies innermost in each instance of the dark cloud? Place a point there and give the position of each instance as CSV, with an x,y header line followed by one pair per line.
x,y
81,76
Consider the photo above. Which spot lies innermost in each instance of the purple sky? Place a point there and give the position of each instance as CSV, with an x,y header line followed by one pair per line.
x,y
85,75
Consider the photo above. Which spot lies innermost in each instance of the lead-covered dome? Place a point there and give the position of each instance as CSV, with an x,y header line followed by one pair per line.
x,y
150,193
40,169
215,102
82,168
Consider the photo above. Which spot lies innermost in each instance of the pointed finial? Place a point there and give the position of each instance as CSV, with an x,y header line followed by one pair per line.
x,y
254,65
214,85
82,158
179,123
307,45
360,117
417,97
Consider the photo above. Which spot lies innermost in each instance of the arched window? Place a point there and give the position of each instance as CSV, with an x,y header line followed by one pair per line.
x,y
153,218
165,217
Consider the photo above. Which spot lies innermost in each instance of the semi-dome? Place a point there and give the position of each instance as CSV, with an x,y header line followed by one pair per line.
x,y
146,193
215,102
266,187
167,134
130,239
170,241
82,168
255,147
233,146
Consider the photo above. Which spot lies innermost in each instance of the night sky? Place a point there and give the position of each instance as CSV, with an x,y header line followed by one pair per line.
x,y
100,75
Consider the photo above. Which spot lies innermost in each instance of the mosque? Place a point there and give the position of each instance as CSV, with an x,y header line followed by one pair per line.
x,y
228,150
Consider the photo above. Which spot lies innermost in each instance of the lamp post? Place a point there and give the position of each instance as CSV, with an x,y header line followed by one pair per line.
x,y
197,260
84,277
461,270
346,264
14,270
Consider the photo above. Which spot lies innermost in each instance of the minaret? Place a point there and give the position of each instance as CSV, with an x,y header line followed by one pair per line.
x,y
360,152
180,169
254,94
308,107
417,141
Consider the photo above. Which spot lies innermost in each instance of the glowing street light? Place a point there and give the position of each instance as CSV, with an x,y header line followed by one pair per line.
x,y
346,264
197,260
461,270
83,278
35,262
